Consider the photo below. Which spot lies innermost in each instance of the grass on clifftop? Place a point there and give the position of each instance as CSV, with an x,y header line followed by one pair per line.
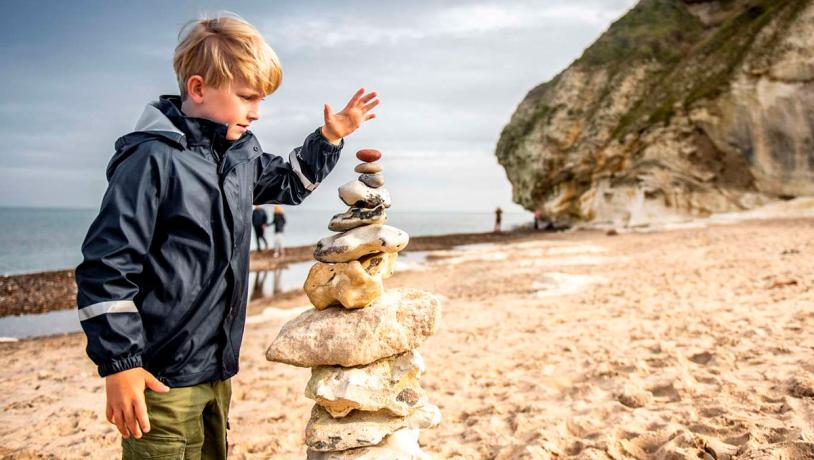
x,y
657,30
706,67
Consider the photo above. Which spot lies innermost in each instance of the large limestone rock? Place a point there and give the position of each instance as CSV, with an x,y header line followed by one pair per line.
x,y
711,111
358,242
359,429
388,384
401,445
397,322
353,284
359,195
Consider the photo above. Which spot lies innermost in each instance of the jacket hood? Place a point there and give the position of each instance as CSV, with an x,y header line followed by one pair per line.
x,y
164,120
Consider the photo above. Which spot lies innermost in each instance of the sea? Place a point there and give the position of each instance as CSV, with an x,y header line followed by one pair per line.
x,y
37,239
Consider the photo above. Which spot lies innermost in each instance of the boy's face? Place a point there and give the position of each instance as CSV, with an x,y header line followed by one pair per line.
x,y
236,105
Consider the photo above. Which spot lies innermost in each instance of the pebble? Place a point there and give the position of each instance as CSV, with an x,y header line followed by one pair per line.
x,y
359,195
368,168
357,217
360,241
368,155
372,180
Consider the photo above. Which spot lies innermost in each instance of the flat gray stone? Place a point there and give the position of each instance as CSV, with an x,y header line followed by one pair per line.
x,y
397,322
372,180
360,429
368,168
356,217
359,195
359,242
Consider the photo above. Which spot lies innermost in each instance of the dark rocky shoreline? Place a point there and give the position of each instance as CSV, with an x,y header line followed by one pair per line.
x,y
56,290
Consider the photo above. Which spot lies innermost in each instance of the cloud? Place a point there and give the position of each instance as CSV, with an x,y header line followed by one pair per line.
x,y
455,21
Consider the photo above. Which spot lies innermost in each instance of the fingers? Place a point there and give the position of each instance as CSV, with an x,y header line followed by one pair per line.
x,y
356,96
140,410
368,97
109,413
118,419
131,423
155,384
370,116
327,112
370,106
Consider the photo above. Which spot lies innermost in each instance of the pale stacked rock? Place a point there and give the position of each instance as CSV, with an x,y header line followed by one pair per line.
x,y
361,341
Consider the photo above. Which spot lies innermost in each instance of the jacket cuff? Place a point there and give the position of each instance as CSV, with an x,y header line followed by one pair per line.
x,y
118,365
327,146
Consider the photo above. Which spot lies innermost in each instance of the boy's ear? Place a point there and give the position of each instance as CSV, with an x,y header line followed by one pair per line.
x,y
195,88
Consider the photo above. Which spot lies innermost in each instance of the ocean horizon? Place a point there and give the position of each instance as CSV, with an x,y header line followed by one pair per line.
x,y
43,239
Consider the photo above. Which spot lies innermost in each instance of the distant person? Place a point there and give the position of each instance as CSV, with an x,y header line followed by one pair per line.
x,y
260,220
498,219
537,216
279,225
162,288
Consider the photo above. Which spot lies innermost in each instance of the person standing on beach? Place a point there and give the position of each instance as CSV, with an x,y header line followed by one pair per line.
x,y
259,222
498,219
162,289
279,224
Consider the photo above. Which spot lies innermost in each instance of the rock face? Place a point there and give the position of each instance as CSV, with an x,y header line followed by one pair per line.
x,y
395,323
388,384
710,110
325,433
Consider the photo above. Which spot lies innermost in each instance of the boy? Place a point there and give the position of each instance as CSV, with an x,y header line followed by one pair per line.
x,y
162,290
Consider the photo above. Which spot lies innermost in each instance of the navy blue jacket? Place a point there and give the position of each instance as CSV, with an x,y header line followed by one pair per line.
x,y
164,280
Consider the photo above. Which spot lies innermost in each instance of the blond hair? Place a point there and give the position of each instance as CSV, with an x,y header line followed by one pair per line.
x,y
224,49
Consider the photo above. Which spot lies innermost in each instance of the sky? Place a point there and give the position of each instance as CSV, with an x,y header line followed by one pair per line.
x,y
76,76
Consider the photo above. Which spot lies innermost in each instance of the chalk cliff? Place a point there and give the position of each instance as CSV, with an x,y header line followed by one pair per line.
x,y
681,108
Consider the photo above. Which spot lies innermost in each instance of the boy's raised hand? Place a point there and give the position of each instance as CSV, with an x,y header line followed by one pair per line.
x,y
125,400
341,124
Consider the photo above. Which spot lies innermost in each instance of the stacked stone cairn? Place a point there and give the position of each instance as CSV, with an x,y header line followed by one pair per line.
x,y
360,341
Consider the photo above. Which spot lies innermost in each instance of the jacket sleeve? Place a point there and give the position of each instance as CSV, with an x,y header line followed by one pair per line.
x,y
281,182
114,251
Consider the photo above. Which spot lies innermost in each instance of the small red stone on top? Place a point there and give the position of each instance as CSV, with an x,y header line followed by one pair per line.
x,y
368,155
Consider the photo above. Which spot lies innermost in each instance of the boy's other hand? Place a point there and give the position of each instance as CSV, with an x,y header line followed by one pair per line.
x,y
339,125
125,400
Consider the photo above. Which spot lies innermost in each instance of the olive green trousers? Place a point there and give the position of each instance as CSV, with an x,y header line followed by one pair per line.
x,y
187,423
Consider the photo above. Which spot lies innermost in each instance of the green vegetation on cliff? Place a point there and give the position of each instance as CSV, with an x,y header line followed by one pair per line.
x,y
701,65
657,30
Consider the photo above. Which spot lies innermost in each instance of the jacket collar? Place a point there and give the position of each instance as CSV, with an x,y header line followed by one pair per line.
x,y
165,118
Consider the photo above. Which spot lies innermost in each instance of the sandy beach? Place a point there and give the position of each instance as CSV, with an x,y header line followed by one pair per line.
x,y
683,343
